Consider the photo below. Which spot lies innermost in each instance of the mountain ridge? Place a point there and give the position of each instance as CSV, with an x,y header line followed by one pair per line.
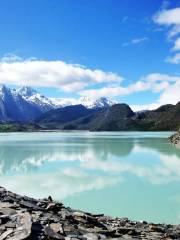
x,y
118,117
26,104
26,107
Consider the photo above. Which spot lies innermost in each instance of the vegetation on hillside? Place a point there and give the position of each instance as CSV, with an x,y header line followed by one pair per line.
x,y
118,117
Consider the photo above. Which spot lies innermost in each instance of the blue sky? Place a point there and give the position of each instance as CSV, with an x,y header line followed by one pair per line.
x,y
57,46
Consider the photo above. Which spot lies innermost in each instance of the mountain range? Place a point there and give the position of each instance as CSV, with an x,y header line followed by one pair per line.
x,y
26,104
25,109
118,117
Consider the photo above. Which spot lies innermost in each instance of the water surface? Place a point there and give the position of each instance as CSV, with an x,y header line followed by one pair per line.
x,y
127,174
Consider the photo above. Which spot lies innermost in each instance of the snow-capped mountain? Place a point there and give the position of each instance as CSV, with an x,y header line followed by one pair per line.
x,y
33,97
85,101
63,102
98,103
26,104
20,105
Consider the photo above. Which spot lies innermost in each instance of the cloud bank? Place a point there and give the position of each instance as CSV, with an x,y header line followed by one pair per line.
x,y
59,74
87,82
171,18
168,86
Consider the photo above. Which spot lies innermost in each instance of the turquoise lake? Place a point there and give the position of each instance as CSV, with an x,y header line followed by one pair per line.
x,y
125,174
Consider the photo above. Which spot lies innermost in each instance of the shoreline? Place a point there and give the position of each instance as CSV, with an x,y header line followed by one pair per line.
x,y
22,217
29,127
80,130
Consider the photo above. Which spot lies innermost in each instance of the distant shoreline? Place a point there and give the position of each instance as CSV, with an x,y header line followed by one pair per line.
x,y
17,128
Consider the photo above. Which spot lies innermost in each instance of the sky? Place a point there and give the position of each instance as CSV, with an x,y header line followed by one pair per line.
x,y
126,50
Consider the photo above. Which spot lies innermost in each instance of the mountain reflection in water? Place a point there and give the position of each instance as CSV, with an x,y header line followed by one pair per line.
x,y
75,166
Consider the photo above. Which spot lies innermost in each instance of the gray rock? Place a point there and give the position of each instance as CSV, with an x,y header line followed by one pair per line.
x,y
6,234
49,232
26,218
91,236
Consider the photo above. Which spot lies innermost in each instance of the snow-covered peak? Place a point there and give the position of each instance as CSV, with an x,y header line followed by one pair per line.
x,y
97,103
32,96
85,101
63,102
40,99
27,96
27,91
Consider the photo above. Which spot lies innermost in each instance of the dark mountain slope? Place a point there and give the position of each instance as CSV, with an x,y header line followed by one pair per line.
x,y
120,117
165,118
57,117
116,118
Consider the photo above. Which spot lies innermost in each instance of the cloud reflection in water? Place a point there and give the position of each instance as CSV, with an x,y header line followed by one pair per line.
x,y
77,164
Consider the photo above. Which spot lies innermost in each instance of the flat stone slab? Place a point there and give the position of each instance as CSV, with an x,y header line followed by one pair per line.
x,y
27,218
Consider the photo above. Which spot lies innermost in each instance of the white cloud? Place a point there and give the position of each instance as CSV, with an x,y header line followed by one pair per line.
x,y
135,41
59,74
141,107
159,77
170,18
139,40
10,57
155,82
168,86
174,31
171,94
64,101
74,77
176,45
174,59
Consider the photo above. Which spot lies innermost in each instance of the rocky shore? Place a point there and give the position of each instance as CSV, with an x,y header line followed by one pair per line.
x,y
22,217
175,139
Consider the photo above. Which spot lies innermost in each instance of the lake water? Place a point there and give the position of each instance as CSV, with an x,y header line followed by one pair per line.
x,y
127,174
